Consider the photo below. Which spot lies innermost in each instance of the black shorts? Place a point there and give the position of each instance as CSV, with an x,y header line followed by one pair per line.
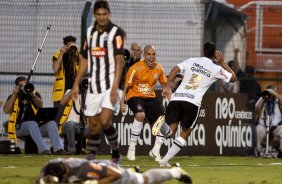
x,y
152,107
184,112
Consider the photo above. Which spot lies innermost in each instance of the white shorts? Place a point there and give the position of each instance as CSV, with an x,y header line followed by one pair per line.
x,y
95,102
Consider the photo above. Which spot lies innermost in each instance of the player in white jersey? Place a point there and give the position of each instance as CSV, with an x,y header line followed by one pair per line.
x,y
185,104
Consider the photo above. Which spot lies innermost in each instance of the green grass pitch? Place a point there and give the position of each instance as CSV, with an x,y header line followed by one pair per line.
x,y
16,169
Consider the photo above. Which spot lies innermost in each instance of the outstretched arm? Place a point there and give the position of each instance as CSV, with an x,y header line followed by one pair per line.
x,y
167,88
219,58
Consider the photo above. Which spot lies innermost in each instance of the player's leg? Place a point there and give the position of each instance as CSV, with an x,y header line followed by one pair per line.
x,y
106,122
153,110
167,125
93,137
137,107
188,122
92,104
162,175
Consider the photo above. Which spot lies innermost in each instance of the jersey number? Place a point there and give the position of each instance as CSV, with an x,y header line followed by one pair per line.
x,y
193,82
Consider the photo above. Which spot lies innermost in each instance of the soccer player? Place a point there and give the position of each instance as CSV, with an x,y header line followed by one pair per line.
x,y
76,170
185,104
103,56
141,80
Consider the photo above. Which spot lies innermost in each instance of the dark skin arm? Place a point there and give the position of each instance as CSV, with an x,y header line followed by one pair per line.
x,y
117,78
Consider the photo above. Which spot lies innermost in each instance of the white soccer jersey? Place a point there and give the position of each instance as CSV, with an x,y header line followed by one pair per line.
x,y
199,74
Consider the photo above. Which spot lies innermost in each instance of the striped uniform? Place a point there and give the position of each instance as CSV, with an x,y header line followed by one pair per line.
x,y
100,49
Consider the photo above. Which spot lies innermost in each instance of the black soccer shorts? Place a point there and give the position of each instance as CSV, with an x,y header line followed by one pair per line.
x,y
152,107
182,112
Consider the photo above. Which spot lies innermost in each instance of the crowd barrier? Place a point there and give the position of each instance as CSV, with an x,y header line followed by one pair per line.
x,y
225,127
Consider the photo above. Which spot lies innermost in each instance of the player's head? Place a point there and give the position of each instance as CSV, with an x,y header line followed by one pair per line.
x,y
57,169
150,56
209,50
102,13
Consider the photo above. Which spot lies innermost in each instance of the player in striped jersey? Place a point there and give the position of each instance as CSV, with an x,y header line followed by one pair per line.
x,y
102,55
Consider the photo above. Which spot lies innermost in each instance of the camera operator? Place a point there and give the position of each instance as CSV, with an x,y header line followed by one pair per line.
x,y
22,105
270,103
65,66
70,121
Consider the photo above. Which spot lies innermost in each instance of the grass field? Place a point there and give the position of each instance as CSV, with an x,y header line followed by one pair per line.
x,y
16,169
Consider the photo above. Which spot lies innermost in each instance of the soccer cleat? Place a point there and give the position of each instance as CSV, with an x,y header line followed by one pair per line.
x,y
157,125
184,176
131,155
164,164
156,156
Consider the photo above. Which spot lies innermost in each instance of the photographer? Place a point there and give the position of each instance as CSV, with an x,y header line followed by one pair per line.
x,y
65,66
70,121
22,105
270,103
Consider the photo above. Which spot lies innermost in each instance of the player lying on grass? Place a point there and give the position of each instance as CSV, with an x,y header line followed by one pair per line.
x,y
77,170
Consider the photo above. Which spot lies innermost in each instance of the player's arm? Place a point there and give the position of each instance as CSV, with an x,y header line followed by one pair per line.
x,y
167,89
219,58
118,72
123,98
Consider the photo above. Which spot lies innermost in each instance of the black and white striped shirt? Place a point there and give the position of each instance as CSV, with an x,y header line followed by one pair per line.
x,y
100,50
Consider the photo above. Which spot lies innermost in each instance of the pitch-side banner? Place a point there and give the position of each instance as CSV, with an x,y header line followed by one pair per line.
x,y
225,127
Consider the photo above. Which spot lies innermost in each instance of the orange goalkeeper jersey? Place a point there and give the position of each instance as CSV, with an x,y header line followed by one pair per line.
x,y
141,80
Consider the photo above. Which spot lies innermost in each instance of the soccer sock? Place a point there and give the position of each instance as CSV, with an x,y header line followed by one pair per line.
x,y
136,129
165,130
158,143
178,143
112,136
158,175
92,145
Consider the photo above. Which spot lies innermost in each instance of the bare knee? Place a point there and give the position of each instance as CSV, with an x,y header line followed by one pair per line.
x,y
140,116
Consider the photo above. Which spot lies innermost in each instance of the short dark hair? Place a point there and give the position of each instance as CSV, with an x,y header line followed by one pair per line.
x,y
101,4
68,39
19,79
57,169
209,50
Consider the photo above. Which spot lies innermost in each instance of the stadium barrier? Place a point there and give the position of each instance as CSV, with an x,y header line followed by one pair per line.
x,y
225,127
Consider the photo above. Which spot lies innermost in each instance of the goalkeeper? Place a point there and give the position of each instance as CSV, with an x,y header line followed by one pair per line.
x,y
77,170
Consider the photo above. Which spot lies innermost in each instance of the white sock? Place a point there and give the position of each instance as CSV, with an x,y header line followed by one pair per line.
x,y
158,143
165,130
136,129
178,143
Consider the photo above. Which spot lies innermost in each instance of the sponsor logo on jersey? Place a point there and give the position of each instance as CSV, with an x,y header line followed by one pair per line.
x,y
156,76
221,73
184,95
98,52
119,42
200,69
